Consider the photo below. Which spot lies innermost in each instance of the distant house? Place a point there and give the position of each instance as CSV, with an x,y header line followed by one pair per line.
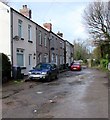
x,y
42,44
56,49
69,52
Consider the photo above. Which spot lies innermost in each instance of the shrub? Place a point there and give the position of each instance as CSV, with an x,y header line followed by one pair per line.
x,y
5,66
104,63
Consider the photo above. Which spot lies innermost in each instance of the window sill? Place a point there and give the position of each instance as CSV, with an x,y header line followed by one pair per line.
x,y
40,44
30,41
22,38
23,68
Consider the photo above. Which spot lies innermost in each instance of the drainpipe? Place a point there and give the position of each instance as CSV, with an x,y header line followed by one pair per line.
x,y
65,53
36,45
11,19
49,48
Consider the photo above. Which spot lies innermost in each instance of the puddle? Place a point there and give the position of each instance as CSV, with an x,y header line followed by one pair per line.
x,y
9,103
39,92
106,84
45,108
11,94
22,103
53,83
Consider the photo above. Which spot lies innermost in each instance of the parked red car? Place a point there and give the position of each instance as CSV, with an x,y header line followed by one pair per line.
x,y
76,66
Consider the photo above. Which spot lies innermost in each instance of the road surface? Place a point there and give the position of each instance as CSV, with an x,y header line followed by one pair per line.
x,y
76,94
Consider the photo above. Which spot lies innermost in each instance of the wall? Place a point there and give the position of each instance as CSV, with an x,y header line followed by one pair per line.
x,y
28,47
41,49
5,30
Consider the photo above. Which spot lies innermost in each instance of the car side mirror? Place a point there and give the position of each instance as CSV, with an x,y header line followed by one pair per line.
x,y
52,68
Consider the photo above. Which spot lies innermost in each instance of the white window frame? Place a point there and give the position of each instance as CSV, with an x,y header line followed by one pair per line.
x,y
45,40
20,52
40,37
20,31
56,59
52,40
45,57
30,59
29,33
61,59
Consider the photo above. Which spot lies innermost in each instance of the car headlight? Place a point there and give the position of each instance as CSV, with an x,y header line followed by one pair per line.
x,y
29,73
44,73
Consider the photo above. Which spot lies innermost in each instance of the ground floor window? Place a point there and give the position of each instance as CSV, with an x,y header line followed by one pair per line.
x,y
46,58
39,59
30,59
56,59
53,58
61,59
20,57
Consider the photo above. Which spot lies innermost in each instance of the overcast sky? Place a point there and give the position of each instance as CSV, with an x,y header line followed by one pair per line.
x,y
65,17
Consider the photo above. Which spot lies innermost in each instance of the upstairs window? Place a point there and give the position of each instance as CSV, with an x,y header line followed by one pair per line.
x,y
45,40
20,28
29,33
40,38
52,40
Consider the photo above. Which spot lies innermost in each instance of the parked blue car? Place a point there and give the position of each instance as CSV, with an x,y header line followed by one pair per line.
x,y
44,71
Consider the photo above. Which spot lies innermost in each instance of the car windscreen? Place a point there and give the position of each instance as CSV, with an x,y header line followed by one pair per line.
x,y
43,66
76,64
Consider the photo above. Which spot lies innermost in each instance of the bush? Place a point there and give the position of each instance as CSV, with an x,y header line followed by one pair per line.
x,y
104,63
95,62
5,66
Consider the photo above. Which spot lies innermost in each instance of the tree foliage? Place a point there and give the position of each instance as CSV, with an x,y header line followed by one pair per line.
x,y
97,53
80,51
97,20
5,67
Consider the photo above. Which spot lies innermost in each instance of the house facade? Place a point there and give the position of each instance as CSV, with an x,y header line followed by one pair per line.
x,y
17,38
42,44
56,49
69,49
26,43
23,41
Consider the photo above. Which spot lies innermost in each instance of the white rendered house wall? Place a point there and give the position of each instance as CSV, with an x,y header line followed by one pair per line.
x,y
5,30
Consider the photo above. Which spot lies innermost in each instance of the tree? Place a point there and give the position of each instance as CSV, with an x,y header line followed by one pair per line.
x,y
80,51
97,21
97,53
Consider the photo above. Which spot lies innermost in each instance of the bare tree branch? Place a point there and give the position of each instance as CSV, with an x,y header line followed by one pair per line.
x,y
97,19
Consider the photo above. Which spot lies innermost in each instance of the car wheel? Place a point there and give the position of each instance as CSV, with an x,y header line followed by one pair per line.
x,y
56,76
49,78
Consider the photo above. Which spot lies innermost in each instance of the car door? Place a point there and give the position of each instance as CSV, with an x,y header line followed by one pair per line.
x,y
53,68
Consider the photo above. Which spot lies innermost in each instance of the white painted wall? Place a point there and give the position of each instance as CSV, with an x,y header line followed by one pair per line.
x,y
5,30
29,48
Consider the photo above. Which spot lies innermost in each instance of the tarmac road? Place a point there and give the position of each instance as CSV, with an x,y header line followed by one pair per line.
x,y
76,94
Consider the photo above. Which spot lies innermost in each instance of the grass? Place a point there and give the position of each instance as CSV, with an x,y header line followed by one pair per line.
x,y
18,81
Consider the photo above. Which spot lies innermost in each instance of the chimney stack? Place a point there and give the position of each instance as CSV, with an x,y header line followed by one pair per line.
x,y
60,34
48,26
26,11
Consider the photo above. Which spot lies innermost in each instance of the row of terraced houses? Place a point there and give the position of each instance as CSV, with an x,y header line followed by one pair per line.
x,y
26,43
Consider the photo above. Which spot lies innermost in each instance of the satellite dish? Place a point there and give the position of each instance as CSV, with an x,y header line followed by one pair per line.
x,y
16,38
